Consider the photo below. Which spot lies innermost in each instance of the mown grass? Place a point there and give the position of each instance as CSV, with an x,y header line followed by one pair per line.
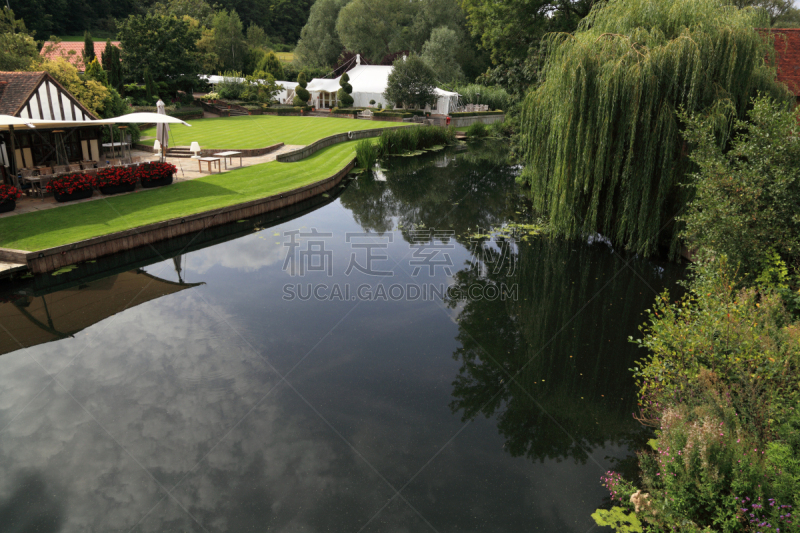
x,y
258,131
72,223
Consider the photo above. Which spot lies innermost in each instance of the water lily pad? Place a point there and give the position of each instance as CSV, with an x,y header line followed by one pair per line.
x,y
64,270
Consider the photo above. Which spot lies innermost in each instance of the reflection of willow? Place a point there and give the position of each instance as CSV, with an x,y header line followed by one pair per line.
x,y
566,348
452,190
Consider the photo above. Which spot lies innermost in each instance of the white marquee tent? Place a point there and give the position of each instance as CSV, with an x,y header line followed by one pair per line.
x,y
369,83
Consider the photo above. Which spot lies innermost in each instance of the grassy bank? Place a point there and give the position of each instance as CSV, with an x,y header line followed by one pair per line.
x,y
258,131
67,224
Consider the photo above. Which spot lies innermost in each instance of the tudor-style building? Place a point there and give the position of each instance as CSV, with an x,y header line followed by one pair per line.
x,y
36,95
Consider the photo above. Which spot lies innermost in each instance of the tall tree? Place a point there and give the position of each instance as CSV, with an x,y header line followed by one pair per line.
x,y
319,44
112,65
374,28
411,83
272,65
511,32
18,47
88,49
440,53
603,145
166,45
229,43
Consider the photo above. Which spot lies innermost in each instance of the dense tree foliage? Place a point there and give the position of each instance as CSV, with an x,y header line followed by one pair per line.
x,y
88,49
440,53
165,45
747,200
112,64
411,83
603,143
19,49
380,30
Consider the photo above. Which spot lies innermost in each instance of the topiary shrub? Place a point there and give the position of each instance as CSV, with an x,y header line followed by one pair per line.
x,y
343,94
302,96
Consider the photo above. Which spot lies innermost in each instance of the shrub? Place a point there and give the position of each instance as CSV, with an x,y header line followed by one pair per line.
x,y
232,85
210,96
71,183
147,172
746,199
9,193
366,153
302,96
343,94
380,106
413,138
115,176
477,129
494,97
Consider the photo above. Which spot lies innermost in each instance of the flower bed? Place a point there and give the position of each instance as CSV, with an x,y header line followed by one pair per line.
x,y
8,198
155,174
114,180
71,187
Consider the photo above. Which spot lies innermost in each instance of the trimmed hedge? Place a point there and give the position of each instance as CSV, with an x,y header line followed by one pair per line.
x,y
287,110
186,112
478,113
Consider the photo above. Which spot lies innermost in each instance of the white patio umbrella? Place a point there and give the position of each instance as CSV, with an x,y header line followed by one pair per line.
x,y
162,129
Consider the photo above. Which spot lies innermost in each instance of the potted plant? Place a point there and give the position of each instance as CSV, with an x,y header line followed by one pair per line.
x,y
155,174
71,187
115,180
8,198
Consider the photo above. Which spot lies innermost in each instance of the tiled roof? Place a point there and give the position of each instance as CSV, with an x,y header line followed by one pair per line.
x,y
73,51
787,51
15,88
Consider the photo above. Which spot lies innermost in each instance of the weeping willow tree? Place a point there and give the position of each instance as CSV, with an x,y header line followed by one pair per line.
x,y
602,135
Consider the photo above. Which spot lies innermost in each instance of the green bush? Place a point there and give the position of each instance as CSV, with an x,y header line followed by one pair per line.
x,y
478,114
746,200
478,130
232,85
366,153
302,96
343,94
720,385
409,139
494,97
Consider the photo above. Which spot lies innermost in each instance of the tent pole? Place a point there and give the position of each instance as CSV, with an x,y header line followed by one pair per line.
x,y
12,158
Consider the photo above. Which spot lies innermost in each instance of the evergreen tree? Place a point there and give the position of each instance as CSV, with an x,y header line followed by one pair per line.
x,y
270,63
603,146
302,96
88,49
411,83
112,64
149,84
343,94
95,72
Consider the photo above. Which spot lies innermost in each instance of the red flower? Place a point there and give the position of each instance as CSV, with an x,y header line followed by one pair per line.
x,y
155,171
9,193
115,176
71,183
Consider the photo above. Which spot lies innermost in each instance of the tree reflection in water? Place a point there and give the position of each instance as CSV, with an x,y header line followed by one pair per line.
x,y
564,339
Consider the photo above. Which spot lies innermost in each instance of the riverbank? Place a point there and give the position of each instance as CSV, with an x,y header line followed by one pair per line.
x,y
76,226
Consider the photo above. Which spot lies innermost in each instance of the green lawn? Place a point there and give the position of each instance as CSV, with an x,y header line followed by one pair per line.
x,y
258,131
67,224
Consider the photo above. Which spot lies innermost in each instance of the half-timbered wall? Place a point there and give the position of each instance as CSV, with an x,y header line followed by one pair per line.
x,y
49,102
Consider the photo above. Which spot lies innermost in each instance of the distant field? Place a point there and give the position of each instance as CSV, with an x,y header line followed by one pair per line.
x,y
285,56
258,131
79,38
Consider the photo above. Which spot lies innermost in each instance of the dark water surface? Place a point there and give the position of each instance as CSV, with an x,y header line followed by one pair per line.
x,y
192,393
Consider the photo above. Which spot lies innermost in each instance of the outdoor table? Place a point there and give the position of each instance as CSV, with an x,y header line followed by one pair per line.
x,y
208,160
39,181
229,155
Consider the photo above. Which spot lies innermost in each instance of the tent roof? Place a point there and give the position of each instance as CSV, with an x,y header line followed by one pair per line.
x,y
144,118
6,120
364,79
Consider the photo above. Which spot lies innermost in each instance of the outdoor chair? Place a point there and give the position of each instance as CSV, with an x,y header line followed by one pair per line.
x,y
86,165
102,163
115,162
75,167
61,169
27,186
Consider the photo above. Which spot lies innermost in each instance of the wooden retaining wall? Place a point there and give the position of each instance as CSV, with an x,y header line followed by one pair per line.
x,y
302,153
52,259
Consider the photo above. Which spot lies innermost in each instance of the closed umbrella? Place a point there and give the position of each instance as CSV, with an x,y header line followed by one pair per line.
x,y
162,128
